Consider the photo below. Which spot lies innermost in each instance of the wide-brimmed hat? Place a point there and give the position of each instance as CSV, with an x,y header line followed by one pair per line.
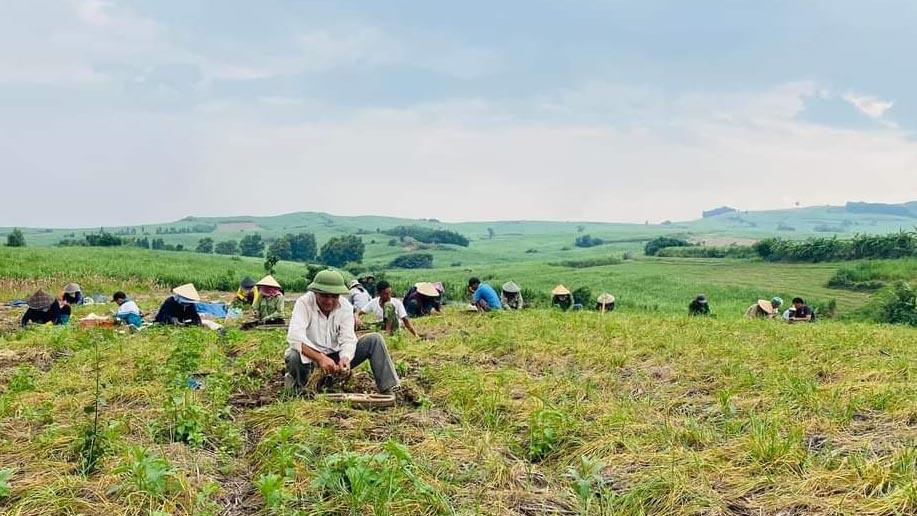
x,y
353,283
511,288
268,281
766,305
72,288
560,290
702,299
427,289
187,291
247,282
605,299
329,281
40,300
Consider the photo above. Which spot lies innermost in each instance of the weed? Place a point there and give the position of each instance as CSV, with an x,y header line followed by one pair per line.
x,y
148,473
547,430
587,479
271,488
23,379
5,475
187,418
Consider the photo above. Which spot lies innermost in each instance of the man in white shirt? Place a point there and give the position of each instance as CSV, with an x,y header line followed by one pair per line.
x,y
389,310
359,297
322,334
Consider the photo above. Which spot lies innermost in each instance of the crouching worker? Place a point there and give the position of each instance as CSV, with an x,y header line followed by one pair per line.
x,y
268,305
764,309
128,312
605,303
179,308
43,308
511,296
321,335
483,296
389,311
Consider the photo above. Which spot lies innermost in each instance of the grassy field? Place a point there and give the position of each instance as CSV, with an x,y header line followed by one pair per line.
x,y
516,413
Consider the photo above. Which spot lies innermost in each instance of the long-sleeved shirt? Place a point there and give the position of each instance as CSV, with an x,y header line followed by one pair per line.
x,y
488,294
128,307
359,298
377,309
333,333
267,308
184,312
55,314
511,303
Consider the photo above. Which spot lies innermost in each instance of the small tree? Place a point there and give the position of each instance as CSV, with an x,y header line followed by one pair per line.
x,y
270,262
251,245
302,247
15,239
281,248
205,245
230,247
413,261
340,250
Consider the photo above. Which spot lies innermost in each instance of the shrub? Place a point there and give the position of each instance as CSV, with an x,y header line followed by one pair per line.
x,y
587,241
655,245
896,304
428,235
15,238
343,249
413,261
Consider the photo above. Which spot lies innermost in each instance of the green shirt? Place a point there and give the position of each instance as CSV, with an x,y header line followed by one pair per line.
x,y
267,308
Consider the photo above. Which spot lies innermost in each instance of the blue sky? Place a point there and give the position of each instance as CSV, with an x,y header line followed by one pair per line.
x,y
134,112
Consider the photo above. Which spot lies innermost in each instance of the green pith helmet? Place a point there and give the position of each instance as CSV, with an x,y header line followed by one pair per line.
x,y
329,281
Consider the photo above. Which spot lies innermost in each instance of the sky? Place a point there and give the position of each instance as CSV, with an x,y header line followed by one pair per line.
x,y
126,112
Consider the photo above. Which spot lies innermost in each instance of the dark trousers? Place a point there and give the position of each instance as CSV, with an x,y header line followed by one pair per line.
x,y
370,348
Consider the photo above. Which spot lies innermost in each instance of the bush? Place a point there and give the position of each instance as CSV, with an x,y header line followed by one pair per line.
x,y
592,262
587,241
732,251
15,238
895,245
340,250
895,305
204,245
251,245
413,261
655,245
229,247
428,235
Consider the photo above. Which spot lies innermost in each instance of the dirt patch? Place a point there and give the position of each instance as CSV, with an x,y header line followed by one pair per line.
x,y
39,358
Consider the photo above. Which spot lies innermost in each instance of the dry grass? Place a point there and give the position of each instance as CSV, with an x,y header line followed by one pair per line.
x,y
527,413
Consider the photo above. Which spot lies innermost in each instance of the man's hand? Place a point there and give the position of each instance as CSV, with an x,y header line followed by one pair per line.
x,y
343,364
327,365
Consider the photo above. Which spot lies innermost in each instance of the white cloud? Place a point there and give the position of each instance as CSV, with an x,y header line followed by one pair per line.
x,y
870,106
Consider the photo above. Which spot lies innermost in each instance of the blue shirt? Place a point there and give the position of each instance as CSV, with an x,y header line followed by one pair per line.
x,y
488,293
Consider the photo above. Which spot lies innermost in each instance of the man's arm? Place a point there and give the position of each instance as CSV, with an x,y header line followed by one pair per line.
x,y
348,340
409,326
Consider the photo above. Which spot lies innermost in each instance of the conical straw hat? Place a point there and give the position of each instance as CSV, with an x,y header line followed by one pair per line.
x,y
511,288
766,305
427,289
40,300
268,281
605,299
560,290
187,291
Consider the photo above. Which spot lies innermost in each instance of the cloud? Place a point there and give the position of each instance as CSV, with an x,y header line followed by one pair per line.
x,y
870,106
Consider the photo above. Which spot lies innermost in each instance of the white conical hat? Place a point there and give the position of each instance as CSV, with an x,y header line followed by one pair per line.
x,y
605,299
511,288
427,289
187,291
560,290
268,281
766,305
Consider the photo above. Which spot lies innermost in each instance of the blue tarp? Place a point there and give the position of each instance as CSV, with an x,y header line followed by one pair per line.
x,y
217,310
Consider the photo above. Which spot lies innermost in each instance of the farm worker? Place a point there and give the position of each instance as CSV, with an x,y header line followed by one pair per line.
x,y
43,309
321,334
359,297
128,311
801,312
511,296
389,310
605,302
179,308
75,292
245,295
483,296
423,299
369,283
561,297
699,306
764,308
268,305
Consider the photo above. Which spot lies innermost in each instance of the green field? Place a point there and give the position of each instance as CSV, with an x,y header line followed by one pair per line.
x,y
640,411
